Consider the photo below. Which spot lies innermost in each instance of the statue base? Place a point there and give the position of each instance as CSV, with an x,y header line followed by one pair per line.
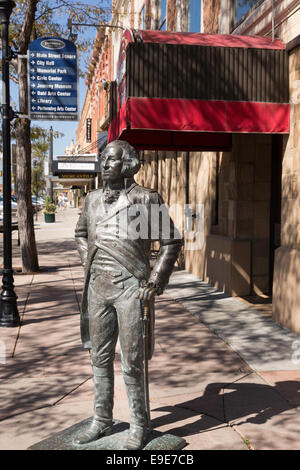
x,y
64,440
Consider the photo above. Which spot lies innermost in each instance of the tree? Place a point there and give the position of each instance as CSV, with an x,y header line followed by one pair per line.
x,y
38,182
39,151
30,20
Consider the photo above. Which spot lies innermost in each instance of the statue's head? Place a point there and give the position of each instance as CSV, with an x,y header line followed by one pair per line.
x,y
118,161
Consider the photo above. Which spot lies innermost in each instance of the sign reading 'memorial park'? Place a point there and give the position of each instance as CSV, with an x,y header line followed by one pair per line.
x,y
53,80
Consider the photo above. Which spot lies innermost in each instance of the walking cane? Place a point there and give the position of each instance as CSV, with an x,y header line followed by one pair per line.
x,y
145,319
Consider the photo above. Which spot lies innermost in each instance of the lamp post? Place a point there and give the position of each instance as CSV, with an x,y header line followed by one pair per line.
x,y
35,166
9,315
50,160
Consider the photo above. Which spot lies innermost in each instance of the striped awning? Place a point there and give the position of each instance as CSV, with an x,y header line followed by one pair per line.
x,y
190,91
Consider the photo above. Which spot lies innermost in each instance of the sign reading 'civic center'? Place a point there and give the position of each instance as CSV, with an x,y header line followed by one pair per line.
x,y
53,80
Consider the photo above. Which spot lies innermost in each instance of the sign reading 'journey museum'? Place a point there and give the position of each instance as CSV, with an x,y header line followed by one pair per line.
x,y
53,80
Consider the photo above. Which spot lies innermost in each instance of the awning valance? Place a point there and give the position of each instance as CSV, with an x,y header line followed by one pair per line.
x,y
191,91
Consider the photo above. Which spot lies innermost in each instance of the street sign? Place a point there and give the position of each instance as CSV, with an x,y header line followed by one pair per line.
x,y
88,130
74,176
53,80
79,168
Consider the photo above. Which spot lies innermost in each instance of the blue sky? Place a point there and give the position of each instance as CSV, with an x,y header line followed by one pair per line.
x,y
242,10
68,128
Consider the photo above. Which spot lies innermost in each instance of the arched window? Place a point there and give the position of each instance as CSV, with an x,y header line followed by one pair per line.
x,y
242,7
163,15
194,16
142,19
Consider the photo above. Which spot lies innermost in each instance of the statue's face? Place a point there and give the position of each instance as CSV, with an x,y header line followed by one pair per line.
x,y
112,164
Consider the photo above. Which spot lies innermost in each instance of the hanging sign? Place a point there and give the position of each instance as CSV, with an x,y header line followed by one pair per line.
x,y
88,130
53,80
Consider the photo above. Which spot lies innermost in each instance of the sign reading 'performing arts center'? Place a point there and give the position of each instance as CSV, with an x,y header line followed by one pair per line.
x,y
53,80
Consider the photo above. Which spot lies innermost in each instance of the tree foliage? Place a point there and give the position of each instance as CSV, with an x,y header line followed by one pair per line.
x,y
30,20
39,152
50,19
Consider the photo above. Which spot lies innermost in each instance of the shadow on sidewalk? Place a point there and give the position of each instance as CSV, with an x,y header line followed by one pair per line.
x,y
187,352
50,269
46,298
236,403
66,245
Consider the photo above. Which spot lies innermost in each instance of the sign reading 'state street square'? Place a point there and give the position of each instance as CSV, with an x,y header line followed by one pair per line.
x,y
53,80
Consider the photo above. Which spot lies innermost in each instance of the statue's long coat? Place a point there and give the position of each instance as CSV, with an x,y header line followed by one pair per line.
x,y
134,255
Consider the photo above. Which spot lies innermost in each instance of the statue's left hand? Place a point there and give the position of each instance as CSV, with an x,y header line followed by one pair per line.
x,y
145,293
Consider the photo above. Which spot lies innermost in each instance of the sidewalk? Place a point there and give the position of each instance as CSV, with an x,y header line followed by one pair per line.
x,y
222,376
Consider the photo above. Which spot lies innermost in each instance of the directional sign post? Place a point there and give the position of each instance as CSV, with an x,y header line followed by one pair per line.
x,y
53,80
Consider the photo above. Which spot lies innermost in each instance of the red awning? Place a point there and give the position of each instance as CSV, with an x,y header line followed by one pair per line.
x,y
194,124
186,91
200,39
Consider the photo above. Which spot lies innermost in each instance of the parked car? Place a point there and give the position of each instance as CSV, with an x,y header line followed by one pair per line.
x,y
37,203
41,201
14,205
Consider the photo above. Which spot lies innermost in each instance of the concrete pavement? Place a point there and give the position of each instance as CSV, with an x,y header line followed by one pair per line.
x,y
223,375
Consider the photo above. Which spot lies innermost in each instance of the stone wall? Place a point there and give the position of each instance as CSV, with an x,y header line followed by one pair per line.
x,y
253,156
243,224
167,172
291,162
286,293
235,252
201,190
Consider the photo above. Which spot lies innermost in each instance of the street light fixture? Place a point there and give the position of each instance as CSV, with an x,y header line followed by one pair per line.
x,y
9,315
73,36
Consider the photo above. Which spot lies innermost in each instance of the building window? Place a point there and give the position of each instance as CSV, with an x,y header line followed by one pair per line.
x,y
241,8
142,20
163,15
125,6
194,16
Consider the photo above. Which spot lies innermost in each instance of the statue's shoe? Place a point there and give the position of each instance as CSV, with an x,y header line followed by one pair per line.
x,y
95,431
136,438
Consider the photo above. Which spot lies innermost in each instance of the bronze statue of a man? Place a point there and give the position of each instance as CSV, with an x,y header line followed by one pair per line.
x,y
115,252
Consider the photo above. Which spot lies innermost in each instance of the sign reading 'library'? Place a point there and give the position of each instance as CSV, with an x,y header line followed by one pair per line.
x,y
53,80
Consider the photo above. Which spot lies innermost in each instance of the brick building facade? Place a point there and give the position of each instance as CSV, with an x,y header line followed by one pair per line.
x,y
250,195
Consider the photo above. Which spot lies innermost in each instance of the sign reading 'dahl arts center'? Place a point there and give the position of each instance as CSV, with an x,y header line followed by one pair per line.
x,y
53,80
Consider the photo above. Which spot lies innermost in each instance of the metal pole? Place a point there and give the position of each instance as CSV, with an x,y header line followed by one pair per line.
x,y
50,164
145,319
273,21
36,196
9,315
35,166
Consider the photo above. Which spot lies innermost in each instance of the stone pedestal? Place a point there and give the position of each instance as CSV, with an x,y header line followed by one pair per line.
x,y
64,440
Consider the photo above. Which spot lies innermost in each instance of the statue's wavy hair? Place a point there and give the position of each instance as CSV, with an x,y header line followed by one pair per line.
x,y
131,163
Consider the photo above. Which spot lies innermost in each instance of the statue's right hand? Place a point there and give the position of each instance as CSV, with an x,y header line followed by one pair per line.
x,y
145,294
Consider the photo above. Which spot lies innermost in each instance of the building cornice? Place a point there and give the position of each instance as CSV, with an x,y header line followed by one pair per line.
x,y
260,17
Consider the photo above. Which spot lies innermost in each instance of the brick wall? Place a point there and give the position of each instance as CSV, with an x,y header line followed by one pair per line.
x,y
244,207
291,162
172,15
210,13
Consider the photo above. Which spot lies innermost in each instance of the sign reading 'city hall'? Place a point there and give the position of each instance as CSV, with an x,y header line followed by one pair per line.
x,y
53,80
